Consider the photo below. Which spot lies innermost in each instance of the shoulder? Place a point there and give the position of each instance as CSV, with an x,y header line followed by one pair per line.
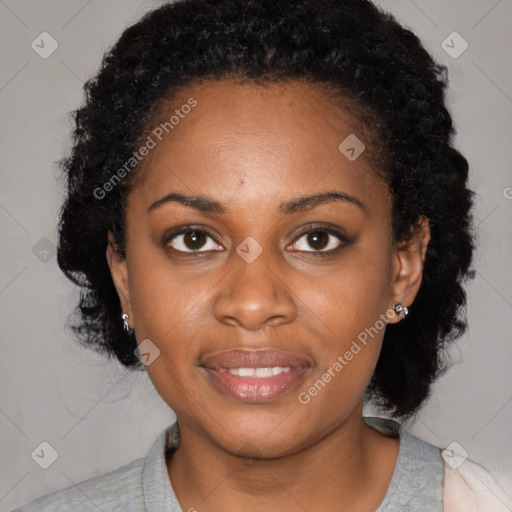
x,y
469,487
466,485
118,490
416,482
427,477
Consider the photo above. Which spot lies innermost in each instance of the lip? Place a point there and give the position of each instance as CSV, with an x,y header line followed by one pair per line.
x,y
244,358
254,389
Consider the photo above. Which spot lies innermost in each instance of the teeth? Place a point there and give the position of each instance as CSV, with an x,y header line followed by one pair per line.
x,y
266,372
246,372
258,372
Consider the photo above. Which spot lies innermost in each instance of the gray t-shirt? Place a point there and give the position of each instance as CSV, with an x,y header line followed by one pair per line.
x,y
144,486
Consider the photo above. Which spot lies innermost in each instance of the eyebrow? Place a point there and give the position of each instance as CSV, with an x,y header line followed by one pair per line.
x,y
298,204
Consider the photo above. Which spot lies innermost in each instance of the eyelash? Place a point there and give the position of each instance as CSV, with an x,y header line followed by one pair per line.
x,y
311,229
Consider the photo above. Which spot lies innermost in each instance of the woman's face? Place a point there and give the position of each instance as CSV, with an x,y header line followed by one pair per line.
x,y
238,271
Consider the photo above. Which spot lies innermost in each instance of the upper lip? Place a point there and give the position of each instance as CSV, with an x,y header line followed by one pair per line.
x,y
244,358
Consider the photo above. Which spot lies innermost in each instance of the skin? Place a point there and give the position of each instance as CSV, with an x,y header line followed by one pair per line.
x,y
252,148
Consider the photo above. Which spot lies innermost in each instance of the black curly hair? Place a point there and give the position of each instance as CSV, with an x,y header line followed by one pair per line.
x,y
351,45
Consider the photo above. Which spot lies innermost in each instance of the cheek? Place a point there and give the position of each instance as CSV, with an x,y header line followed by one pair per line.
x,y
347,318
163,294
346,313
350,296
168,308
169,313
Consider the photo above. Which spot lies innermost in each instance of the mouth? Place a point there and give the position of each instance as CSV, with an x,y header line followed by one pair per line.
x,y
255,376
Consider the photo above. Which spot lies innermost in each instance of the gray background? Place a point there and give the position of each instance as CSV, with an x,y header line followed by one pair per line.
x,y
96,415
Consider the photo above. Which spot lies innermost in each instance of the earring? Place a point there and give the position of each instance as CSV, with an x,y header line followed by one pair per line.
x,y
124,316
400,309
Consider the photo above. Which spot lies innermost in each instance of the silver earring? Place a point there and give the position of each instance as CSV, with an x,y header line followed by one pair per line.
x,y
400,309
125,321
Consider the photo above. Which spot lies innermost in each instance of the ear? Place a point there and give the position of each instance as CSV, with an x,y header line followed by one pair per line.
x,y
119,272
407,266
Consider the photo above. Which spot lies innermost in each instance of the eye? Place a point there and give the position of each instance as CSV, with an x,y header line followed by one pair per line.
x,y
192,240
322,240
318,240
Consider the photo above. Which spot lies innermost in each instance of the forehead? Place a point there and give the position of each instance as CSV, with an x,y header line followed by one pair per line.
x,y
265,139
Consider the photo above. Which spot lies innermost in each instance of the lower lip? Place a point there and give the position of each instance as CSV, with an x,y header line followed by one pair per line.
x,y
254,389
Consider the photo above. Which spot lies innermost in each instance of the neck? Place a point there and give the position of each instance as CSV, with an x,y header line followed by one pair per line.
x,y
334,473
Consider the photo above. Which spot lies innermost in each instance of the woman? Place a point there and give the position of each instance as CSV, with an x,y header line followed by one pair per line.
x,y
265,212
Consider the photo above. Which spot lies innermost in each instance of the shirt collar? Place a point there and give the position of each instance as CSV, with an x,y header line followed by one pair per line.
x,y
159,495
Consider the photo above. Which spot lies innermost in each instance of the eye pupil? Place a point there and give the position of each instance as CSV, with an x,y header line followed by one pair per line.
x,y
318,239
194,237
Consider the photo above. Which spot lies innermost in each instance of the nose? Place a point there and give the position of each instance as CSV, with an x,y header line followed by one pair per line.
x,y
254,295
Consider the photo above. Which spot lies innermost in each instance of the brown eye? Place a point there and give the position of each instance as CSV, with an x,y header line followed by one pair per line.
x,y
320,240
192,240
